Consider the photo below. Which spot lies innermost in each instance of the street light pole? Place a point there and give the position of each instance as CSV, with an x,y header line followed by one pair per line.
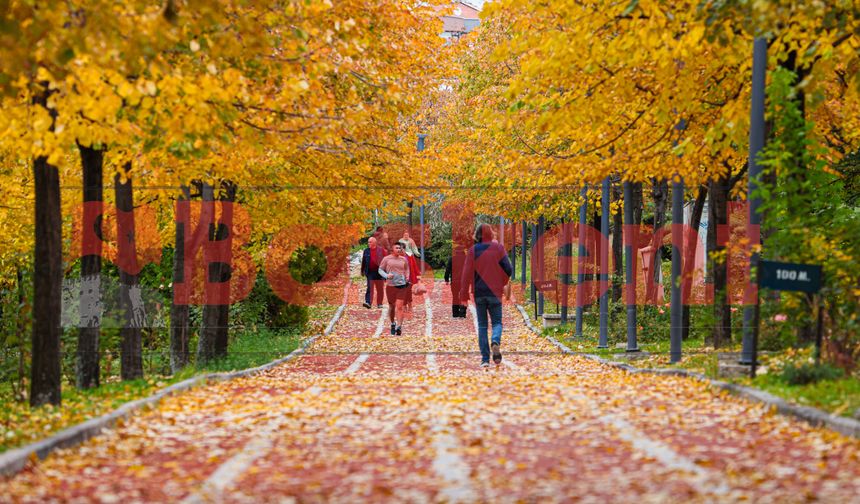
x,y
756,145
565,267
513,252
580,260
421,221
603,272
523,259
676,316
629,267
535,267
420,147
541,248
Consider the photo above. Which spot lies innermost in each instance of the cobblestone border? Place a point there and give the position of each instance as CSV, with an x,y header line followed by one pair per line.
x,y
16,459
813,416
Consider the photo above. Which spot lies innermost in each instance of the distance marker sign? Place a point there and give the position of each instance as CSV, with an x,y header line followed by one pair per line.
x,y
546,285
790,276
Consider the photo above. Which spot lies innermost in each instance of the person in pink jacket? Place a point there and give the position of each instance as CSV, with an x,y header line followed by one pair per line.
x,y
395,269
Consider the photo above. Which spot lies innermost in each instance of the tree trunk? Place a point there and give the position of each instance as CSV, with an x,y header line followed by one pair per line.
x,y
206,341
408,219
718,215
617,248
179,315
47,278
690,250
214,332
224,231
595,253
20,329
638,203
710,247
130,300
660,193
92,161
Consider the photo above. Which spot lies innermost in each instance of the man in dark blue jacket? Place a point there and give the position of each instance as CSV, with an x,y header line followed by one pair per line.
x,y
487,270
370,260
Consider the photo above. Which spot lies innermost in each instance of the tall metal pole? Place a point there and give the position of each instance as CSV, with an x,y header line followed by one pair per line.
x,y
676,316
756,145
523,258
513,251
629,268
420,147
565,259
421,220
541,249
603,272
580,260
534,254
502,231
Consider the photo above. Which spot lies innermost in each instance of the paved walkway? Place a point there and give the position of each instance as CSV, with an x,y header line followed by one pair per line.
x,y
373,417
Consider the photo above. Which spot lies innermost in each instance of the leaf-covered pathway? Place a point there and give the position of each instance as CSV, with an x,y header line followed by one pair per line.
x,y
363,415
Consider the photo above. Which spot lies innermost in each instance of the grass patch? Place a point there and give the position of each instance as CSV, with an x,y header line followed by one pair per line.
x,y
20,424
830,392
695,354
255,348
840,396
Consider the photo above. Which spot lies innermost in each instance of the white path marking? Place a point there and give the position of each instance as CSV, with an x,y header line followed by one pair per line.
x,y
356,364
428,318
706,482
431,363
448,464
511,365
380,324
227,473
474,316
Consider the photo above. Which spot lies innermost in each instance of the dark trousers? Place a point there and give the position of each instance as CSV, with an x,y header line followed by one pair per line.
x,y
380,291
458,309
491,306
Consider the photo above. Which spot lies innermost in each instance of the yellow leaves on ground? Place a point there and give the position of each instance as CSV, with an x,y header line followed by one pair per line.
x,y
548,427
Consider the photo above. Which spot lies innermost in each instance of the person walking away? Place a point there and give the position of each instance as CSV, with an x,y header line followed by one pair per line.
x,y
506,290
486,271
370,260
454,274
394,269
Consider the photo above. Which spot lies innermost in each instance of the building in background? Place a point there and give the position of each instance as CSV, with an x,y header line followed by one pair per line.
x,y
459,18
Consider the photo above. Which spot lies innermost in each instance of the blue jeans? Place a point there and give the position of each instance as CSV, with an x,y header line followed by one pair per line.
x,y
493,307
380,291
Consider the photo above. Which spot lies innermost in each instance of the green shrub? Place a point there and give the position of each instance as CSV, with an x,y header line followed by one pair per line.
x,y
807,373
308,265
263,306
438,253
283,315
